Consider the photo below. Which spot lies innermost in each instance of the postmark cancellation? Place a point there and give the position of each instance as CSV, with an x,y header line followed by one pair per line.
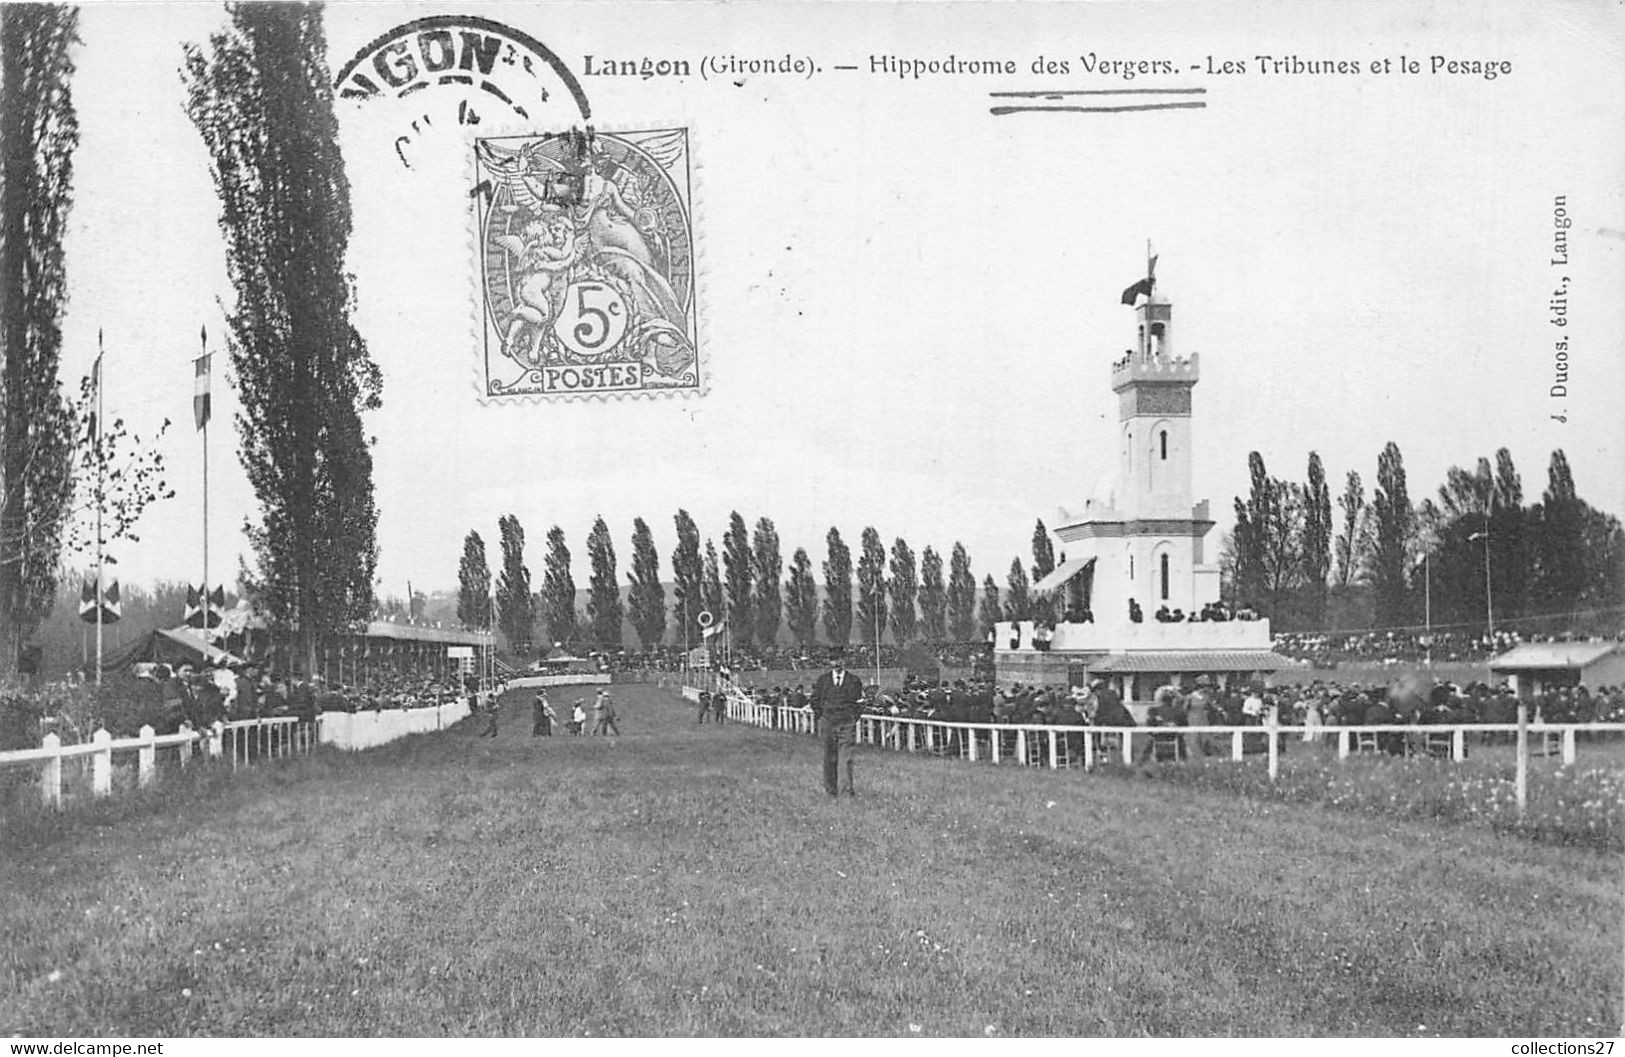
x,y
586,264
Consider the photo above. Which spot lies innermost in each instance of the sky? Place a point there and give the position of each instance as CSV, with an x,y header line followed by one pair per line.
x,y
909,306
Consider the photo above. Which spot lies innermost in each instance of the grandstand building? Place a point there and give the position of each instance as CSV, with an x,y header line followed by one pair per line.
x,y
1137,557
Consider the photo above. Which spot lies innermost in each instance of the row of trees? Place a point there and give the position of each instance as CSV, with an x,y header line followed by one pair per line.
x,y
70,483
1475,552
746,583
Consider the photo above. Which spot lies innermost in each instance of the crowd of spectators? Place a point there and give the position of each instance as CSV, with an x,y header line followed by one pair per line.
x,y
812,659
1324,650
1204,702
165,696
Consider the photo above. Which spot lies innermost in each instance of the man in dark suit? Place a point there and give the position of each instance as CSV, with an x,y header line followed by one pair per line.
x,y
837,699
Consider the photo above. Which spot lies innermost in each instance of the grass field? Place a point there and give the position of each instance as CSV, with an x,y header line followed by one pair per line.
x,y
695,880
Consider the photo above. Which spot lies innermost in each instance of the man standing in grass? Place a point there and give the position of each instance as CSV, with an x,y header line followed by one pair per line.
x,y
837,698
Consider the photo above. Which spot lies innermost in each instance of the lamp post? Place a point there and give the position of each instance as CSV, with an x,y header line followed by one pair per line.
x,y
1489,601
1427,603
877,594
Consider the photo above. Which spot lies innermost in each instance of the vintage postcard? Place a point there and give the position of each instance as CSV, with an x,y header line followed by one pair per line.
x,y
809,399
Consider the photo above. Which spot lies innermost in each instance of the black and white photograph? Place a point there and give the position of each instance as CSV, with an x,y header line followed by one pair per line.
x,y
977,520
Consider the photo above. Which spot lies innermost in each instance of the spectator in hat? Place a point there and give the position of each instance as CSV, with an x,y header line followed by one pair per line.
x,y
1197,708
541,716
837,698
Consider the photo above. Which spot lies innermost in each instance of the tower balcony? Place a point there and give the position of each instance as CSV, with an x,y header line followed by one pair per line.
x,y
1119,636
1153,370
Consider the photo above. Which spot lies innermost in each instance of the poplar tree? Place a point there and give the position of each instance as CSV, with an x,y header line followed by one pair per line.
x,y
647,597
604,609
687,575
736,558
514,612
961,595
1315,552
1393,523
474,585
1043,607
39,130
933,598
1018,601
558,589
801,600
871,600
903,587
837,589
991,612
711,596
1353,541
261,97
766,567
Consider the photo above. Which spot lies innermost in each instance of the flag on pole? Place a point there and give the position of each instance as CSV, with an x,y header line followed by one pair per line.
x,y
96,389
200,391
1146,285
111,607
205,609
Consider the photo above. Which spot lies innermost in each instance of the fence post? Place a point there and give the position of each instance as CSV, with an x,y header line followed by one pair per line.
x,y
1523,758
994,741
146,756
50,778
1128,747
1458,745
1021,747
1342,745
1054,759
1275,749
1236,737
1088,750
911,730
1568,747
217,735
101,763
186,746
970,733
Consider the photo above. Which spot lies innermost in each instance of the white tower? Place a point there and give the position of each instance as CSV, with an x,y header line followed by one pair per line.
x,y
1143,527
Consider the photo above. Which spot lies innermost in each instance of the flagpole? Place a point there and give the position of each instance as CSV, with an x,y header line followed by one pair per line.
x,y
203,335
99,470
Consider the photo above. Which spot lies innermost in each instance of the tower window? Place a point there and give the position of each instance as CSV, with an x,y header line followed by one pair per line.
x,y
1165,574
1164,445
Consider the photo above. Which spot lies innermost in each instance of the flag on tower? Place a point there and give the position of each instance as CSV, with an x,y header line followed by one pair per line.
x,y
1132,294
1144,286
200,391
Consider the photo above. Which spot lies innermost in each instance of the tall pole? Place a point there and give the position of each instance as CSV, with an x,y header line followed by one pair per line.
x,y
1489,601
1427,603
203,416
99,470
878,591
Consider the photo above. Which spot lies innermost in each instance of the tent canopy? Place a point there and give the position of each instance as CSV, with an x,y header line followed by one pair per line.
x,y
1545,656
172,646
1193,661
1062,575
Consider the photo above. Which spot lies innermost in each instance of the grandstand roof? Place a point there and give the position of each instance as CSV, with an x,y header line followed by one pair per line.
x,y
1192,661
1532,656
383,629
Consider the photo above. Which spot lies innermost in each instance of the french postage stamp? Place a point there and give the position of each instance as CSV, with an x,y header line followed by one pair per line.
x,y
586,264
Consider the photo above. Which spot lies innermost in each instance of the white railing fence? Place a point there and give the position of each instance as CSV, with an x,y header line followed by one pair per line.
x,y
240,742
1061,747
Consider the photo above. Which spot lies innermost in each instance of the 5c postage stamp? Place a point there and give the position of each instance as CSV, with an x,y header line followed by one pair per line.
x,y
586,264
